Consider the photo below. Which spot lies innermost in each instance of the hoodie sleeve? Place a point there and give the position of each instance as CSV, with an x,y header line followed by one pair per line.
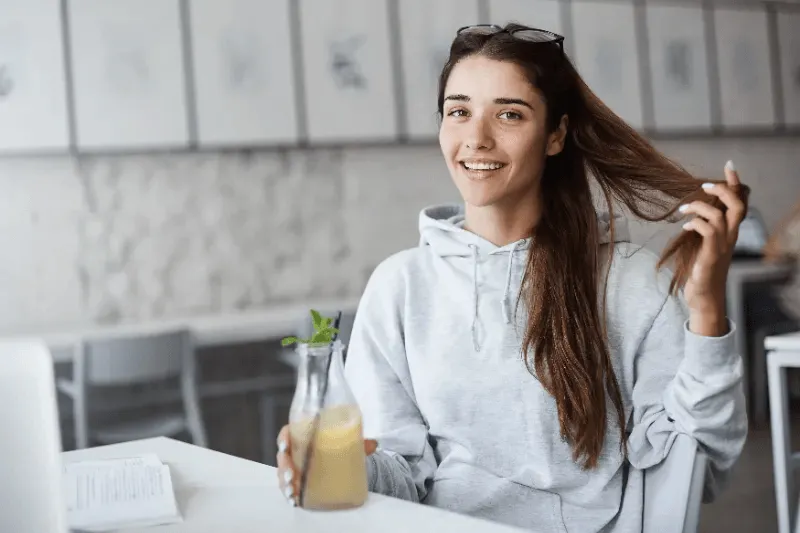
x,y
377,372
690,384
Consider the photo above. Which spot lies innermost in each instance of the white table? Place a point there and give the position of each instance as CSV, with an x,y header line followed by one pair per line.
x,y
208,330
220,493
739,275
784,353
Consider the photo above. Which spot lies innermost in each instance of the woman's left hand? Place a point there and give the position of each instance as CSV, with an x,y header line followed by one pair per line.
x,y
705,288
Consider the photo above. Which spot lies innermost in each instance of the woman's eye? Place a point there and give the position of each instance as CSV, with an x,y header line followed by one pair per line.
x,y
457,113
510,115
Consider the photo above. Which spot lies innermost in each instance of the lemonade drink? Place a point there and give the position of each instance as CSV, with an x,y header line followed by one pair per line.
x,y
337,478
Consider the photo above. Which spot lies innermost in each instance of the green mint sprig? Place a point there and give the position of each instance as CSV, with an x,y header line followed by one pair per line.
x,y
323,332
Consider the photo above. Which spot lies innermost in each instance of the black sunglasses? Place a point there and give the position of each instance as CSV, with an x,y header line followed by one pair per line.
x,y
530,35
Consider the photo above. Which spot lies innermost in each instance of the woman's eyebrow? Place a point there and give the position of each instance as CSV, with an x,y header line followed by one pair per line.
x,y
507,101
501,101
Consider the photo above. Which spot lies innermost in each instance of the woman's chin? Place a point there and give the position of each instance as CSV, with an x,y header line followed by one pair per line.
x,y
481,193
480,199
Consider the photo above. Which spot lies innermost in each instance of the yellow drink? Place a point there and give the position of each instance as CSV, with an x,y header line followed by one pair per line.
x,y
337,478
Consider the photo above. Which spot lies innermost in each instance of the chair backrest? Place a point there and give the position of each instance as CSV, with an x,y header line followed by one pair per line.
x,y
673,489
134,359
31,492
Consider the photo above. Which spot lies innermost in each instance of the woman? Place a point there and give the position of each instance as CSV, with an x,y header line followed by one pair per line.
x,y
524,356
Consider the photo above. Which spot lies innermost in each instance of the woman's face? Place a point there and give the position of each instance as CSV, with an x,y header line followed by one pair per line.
x,y
493,134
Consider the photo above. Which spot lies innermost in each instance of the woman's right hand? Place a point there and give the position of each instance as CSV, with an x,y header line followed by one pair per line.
x,y
289,476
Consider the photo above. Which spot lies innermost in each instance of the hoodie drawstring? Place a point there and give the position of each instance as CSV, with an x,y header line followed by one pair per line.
x,y
505,303
474,328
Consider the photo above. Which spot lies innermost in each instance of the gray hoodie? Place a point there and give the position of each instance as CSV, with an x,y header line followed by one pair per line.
x,y
435,364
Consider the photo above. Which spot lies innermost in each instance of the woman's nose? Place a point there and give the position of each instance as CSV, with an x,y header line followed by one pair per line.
x,y
479,136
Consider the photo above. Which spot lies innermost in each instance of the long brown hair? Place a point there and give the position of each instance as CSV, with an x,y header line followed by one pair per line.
x,y
566,330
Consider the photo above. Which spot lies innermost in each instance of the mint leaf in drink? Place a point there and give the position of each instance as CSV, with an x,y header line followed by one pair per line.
x,y
322,337
318,320
289,340
323,332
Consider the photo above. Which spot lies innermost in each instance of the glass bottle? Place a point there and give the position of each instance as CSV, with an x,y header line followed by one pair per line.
x,y
325,414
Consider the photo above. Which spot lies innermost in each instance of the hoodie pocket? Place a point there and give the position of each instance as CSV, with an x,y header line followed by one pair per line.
x,y
477,493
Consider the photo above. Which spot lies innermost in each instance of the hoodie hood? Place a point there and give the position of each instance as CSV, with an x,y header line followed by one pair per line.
x,y
441,228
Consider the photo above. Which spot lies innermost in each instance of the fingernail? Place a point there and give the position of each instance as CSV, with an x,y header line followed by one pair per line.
x,y
708,185
281,446
687,226
289,493
730,166
287,476
683,208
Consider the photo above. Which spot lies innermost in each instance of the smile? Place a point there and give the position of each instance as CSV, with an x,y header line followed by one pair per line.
x,y
482,165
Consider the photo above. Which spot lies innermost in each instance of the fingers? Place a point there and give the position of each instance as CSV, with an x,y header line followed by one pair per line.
x,y
283,438
736,208
288,479
370,446
731,175
702,227
714,216
710,247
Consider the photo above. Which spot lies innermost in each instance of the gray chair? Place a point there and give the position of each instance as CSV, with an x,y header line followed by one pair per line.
x,y
673,489
105,365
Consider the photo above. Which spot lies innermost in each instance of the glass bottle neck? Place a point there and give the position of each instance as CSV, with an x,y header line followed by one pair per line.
x,y
321,369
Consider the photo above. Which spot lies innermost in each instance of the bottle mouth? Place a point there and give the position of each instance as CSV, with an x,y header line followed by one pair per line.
x,y
320,349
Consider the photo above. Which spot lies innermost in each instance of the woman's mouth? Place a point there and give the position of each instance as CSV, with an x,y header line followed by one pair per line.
x,y
479,169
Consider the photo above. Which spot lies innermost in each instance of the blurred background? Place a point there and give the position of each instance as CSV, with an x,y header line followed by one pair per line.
x,y
222,166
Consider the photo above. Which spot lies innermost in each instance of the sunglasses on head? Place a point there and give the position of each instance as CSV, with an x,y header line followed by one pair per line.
x,y
529,35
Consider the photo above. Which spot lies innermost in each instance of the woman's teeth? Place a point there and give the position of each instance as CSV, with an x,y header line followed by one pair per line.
x,y
482,166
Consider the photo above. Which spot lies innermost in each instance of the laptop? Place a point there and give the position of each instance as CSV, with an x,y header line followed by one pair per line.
x,y
31,492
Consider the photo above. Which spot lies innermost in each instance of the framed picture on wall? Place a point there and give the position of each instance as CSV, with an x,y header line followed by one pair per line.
x,y
426,31
679,67
745,71
128,73
542,14
348,70
606,55
33,92
244,79
789,50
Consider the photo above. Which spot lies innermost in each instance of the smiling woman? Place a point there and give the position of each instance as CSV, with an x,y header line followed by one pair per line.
x,y
493,136
544,414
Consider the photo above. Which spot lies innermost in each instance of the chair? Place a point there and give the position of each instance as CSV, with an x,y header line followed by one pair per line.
x,y
759,375
104,364
673,489
31,492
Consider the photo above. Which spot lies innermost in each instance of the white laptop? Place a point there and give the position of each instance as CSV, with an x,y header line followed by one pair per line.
x,y
31,493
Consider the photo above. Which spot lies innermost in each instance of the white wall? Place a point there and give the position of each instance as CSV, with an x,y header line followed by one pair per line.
x,y
136,237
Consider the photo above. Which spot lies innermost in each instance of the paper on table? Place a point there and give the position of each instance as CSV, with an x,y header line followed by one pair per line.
x,y
112,494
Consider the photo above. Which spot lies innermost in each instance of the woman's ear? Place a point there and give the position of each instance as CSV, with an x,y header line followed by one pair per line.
x,y
556,140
